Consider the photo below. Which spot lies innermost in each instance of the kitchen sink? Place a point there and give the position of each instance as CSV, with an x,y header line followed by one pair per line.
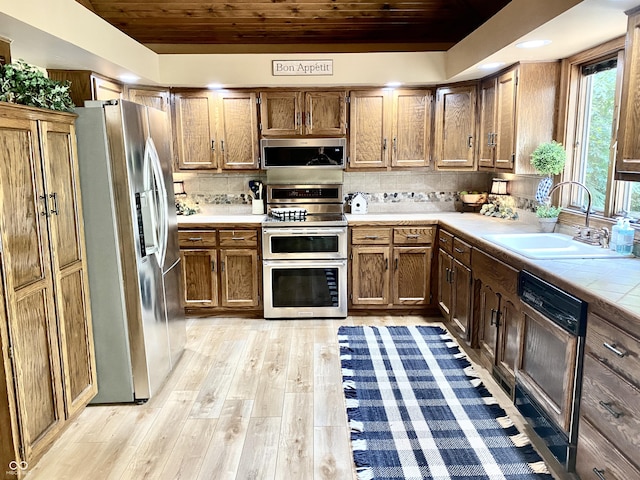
x,y
550,246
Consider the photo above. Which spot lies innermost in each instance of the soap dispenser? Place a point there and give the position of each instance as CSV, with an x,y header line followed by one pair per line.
x,y
615,235
625,238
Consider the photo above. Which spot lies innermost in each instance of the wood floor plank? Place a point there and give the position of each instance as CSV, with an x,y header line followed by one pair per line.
x,y
332,454
300,364
269,397
260,452
245,382
222,457
151,456
295,451
189,450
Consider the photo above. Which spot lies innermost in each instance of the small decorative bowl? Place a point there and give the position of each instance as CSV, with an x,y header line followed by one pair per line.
x,y
473,198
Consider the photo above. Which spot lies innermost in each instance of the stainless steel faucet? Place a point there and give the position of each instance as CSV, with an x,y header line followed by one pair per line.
x,y
586,218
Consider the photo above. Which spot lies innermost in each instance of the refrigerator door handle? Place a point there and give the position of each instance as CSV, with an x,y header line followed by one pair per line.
x,y
152,160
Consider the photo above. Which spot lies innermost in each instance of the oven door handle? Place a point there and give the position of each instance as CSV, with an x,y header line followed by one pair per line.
x,y
302,231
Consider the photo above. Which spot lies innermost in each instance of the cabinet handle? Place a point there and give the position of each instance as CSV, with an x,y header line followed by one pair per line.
x,y
609,408
308,119
494,317
451,274
45,212
470,141
222,146
614,348
371,237
213,265
384,144
413,235
213,145
395,144
459,250
396,266
448,275
237,238
443,240
489,138
495,139
221,266
599,473
386,264
195,239
298,119
54,197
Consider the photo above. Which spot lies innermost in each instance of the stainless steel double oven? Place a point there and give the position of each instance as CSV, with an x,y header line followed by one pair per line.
x,y
304,240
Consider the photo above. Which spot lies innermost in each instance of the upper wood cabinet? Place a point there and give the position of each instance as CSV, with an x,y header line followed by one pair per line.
x,y
628,151
455,127
87,85
517,113
294,112
159,98
390,128
48,331
215,130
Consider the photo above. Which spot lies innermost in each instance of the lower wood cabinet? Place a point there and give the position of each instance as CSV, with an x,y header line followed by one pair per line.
x,y
221,267
608,440
497,316
455,286
391,266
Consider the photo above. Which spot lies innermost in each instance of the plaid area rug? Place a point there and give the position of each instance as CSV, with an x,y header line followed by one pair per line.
x,y
418,411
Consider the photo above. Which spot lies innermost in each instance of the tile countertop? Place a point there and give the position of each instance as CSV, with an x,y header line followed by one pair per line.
x,y
613,281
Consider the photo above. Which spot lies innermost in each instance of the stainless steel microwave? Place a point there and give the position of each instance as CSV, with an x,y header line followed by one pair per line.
x,y
304,152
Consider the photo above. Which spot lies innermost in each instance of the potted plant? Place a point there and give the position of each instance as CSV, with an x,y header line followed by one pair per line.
x,y
547,217
548,159
26,85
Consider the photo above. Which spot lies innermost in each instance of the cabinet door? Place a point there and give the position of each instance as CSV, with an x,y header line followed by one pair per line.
x,y
195,130
628,152
411,141
151,97
461,303
368,135
488,329
281,113
487,133
505,121
237,130
200,277
455,127
239,277
69,264
325,113
104,89
444,285
29,286
370,275
411,275
508,338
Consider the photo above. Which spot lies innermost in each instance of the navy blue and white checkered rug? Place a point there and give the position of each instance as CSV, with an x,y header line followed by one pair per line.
x,y
418,411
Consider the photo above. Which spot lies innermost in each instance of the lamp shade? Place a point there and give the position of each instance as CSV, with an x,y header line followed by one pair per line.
x,y
178,188
499,186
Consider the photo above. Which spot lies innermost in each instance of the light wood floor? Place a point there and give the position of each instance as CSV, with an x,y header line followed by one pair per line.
x,y
250,399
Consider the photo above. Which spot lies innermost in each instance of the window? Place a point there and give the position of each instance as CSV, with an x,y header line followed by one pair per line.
x,y
594,94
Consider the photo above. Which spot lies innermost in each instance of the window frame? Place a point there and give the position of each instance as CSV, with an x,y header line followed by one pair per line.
x,y
571,115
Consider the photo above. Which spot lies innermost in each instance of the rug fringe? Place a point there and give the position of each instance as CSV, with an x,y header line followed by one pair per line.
x,y
505,422
520,440
365,473
356,427
539,467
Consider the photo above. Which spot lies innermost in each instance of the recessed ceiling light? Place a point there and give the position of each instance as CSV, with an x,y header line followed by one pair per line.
x,y
215,86
393,84
533,44
129,78
491,66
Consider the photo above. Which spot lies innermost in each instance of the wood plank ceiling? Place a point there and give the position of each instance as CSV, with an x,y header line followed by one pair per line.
x,y
296,25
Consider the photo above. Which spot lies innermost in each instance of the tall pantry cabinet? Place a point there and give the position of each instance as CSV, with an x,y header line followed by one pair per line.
x,y
47,362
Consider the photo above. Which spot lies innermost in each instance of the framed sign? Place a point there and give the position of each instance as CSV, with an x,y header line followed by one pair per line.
x,y
302,68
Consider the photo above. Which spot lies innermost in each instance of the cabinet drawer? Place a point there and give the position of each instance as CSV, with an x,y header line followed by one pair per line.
x,y
611,405
614,347
371,236
445,240
494,272
197,238
409,236
462,252
595,453
238,238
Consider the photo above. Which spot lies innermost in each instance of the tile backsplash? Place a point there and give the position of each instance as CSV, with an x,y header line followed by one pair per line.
x,y
385,191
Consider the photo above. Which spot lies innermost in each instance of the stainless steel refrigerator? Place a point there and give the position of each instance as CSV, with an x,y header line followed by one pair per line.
x,y
132,247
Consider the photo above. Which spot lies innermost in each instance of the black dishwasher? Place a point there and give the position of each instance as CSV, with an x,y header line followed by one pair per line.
x,y
549,373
